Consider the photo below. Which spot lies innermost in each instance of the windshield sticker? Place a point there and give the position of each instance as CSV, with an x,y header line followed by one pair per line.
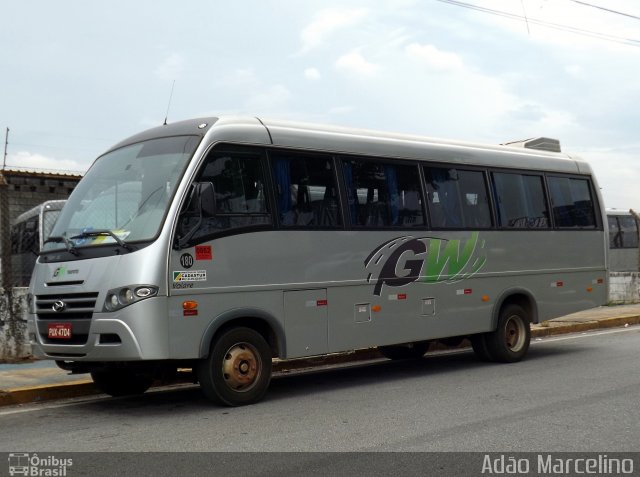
x,y
408,259
203,252
190,276
98,239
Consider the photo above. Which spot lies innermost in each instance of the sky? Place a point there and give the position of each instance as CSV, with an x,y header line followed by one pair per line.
x,y
78,76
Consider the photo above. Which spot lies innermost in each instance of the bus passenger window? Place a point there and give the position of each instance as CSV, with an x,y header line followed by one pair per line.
x,y
628,232
521,201
457,198
571,202
382,194
306,193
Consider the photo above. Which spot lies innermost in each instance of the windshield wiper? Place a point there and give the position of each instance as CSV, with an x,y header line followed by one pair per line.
x,y
104,233
71,248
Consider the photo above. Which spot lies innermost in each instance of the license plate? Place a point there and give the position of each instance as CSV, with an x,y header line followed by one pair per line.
x,y
60,331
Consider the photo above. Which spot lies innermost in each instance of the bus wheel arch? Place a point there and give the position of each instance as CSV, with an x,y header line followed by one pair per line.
x,y
520,297
258,320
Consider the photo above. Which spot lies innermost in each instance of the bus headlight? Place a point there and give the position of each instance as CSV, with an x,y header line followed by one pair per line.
x,y
118,298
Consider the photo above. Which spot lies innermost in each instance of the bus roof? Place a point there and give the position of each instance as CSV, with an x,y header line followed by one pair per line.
x,y
344,140
613,211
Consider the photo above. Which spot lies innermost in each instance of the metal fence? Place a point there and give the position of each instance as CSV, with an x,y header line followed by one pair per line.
x,y
21,191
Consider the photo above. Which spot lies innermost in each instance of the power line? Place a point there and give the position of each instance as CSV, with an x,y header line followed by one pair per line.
x,y
555,26
606,9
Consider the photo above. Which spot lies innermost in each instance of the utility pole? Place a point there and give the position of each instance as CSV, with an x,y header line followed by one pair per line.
x,y
6,143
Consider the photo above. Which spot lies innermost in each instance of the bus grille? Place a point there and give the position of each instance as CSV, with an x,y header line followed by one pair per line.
x,y
73,308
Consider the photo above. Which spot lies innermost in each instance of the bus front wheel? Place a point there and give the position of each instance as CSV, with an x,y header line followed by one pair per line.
x,y
238,369
510,341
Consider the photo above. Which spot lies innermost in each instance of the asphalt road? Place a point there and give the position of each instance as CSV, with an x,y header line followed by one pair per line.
x,y
573,393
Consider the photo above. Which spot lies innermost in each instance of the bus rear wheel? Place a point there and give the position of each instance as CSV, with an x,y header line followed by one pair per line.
x,y
407,351
510,341
121,382
238,369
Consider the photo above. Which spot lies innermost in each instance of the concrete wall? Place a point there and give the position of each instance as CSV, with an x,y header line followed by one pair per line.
x,y
21,190
14,343
624,287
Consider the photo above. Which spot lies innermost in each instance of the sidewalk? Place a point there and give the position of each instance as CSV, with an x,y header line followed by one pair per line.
x,y
34,381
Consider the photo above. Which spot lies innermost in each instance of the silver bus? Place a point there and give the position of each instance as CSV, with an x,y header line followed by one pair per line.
x,y
220,244
28,233
623,241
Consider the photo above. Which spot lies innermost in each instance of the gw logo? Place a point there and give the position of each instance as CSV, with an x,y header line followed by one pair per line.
x,y
404,260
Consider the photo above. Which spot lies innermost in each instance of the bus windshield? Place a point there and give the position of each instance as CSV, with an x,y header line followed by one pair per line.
x,y
124,195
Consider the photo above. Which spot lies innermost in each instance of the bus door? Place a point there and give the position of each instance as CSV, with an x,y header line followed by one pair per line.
x,y
305,317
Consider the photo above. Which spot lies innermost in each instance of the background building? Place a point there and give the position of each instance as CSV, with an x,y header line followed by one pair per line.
x,y
21,190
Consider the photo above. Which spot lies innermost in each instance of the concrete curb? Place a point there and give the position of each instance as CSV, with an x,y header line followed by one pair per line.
x,y
539,331
47,392
85,387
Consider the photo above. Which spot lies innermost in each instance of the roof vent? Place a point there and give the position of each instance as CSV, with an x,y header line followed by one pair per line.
x,y
540,143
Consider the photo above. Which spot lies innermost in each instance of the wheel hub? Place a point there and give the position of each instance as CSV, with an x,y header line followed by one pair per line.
x,y
241,367
514,334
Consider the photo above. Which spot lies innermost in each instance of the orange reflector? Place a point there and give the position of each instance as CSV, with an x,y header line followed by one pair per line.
x,y
189,305
376,308
590,289
485,297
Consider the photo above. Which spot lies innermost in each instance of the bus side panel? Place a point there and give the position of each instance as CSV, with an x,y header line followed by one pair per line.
x,y
191,330
372,296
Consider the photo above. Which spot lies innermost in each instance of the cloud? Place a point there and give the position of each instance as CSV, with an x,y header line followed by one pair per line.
x,y
528,112
355,63
435,59
339,110
270,99
538,117
576,71
29,160
326,23
171,68
616,174
312,74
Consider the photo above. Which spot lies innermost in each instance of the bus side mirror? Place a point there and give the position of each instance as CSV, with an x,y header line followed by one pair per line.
x,y
201,204
207,198
202,200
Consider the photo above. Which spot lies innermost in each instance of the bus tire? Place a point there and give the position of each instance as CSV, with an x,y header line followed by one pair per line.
x,y
408,351
238,369
510,341
121,382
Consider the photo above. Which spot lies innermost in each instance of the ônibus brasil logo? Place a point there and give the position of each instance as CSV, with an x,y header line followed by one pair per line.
x,y
404,260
